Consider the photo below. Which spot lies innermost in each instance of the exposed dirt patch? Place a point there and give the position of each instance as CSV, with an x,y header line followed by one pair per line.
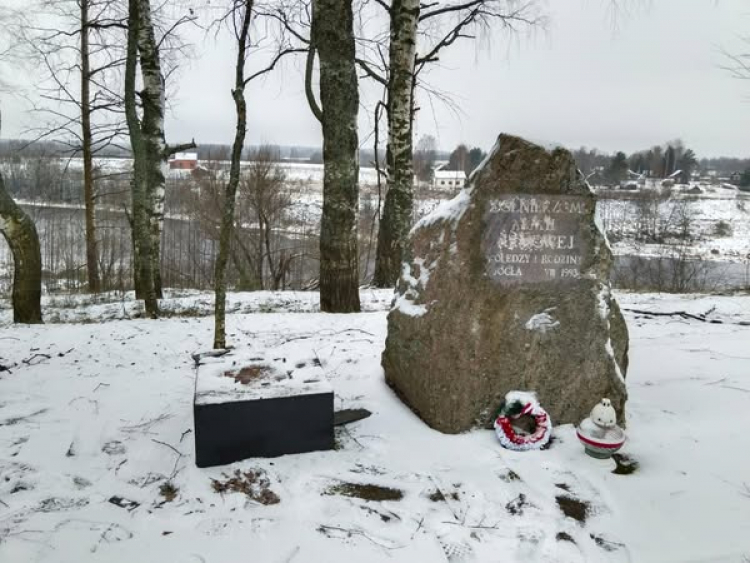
x,y
168,491
510,476
574,508
624,464
563,486
517,505
436,496
365,491
249,374
253,483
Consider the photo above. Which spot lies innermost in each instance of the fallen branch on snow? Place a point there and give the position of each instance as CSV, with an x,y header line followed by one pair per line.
x,y
198,356
684,315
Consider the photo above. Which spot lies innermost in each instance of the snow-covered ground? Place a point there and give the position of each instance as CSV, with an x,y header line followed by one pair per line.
x,y
718,218
96,417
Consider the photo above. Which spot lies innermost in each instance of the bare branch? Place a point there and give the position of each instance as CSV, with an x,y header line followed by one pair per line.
x,y
364,65
279,55
170,150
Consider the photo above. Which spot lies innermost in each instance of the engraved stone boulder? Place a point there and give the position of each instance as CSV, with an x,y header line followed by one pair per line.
x,y
506,287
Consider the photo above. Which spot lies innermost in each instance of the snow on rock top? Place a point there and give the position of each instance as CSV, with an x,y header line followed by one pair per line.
x,y
451,210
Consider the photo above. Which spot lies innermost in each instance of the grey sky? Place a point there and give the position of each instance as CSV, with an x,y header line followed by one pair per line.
x,y
652,76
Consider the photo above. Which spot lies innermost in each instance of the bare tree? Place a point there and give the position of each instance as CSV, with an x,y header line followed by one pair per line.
x,y
149,147
264,191
424,158
76,44
419,33
738,64
241,17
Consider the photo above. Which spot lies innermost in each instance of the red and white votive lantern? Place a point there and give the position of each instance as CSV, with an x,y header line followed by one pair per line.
x,y
599,434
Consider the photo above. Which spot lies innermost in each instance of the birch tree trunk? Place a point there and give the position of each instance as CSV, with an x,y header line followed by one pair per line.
x,y
142,251
333,37
152,135
150,151
230,194
20,233
92,255
399,200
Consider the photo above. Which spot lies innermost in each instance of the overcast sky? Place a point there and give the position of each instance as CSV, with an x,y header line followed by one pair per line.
x,y
650,76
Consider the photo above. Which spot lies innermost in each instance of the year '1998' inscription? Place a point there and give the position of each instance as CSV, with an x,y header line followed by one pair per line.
x,y
534,238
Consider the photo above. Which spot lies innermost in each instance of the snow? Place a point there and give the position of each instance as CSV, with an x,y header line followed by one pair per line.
x,y
107,412
603,302
217,379
523,397
179,303
449,211
404,302
704,211
542,322
301,171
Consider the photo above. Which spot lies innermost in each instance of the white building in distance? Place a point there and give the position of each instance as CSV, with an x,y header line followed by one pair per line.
x,y
448,179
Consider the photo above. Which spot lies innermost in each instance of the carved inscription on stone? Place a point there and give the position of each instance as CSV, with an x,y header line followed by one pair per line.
x,y
534,238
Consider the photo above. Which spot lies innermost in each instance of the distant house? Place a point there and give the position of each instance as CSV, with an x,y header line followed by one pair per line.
x,y
184,161
448,179
634,181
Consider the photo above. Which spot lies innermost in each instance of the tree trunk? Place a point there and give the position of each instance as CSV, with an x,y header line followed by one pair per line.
x,y
399,200
92,256
230,195
152,135
333,37
20,233
142,252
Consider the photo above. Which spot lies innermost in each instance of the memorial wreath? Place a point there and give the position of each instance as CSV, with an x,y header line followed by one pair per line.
x,y
518,405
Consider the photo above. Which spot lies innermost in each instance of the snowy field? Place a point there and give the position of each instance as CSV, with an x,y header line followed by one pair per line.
x,y
300,171
719,222
97,460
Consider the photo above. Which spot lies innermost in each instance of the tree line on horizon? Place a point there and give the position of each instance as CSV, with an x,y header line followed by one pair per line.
x,y
659,162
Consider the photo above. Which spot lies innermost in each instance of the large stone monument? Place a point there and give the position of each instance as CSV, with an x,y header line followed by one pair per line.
x,y
506,287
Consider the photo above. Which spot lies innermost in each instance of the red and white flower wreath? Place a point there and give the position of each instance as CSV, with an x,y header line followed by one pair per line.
x,y
516,405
